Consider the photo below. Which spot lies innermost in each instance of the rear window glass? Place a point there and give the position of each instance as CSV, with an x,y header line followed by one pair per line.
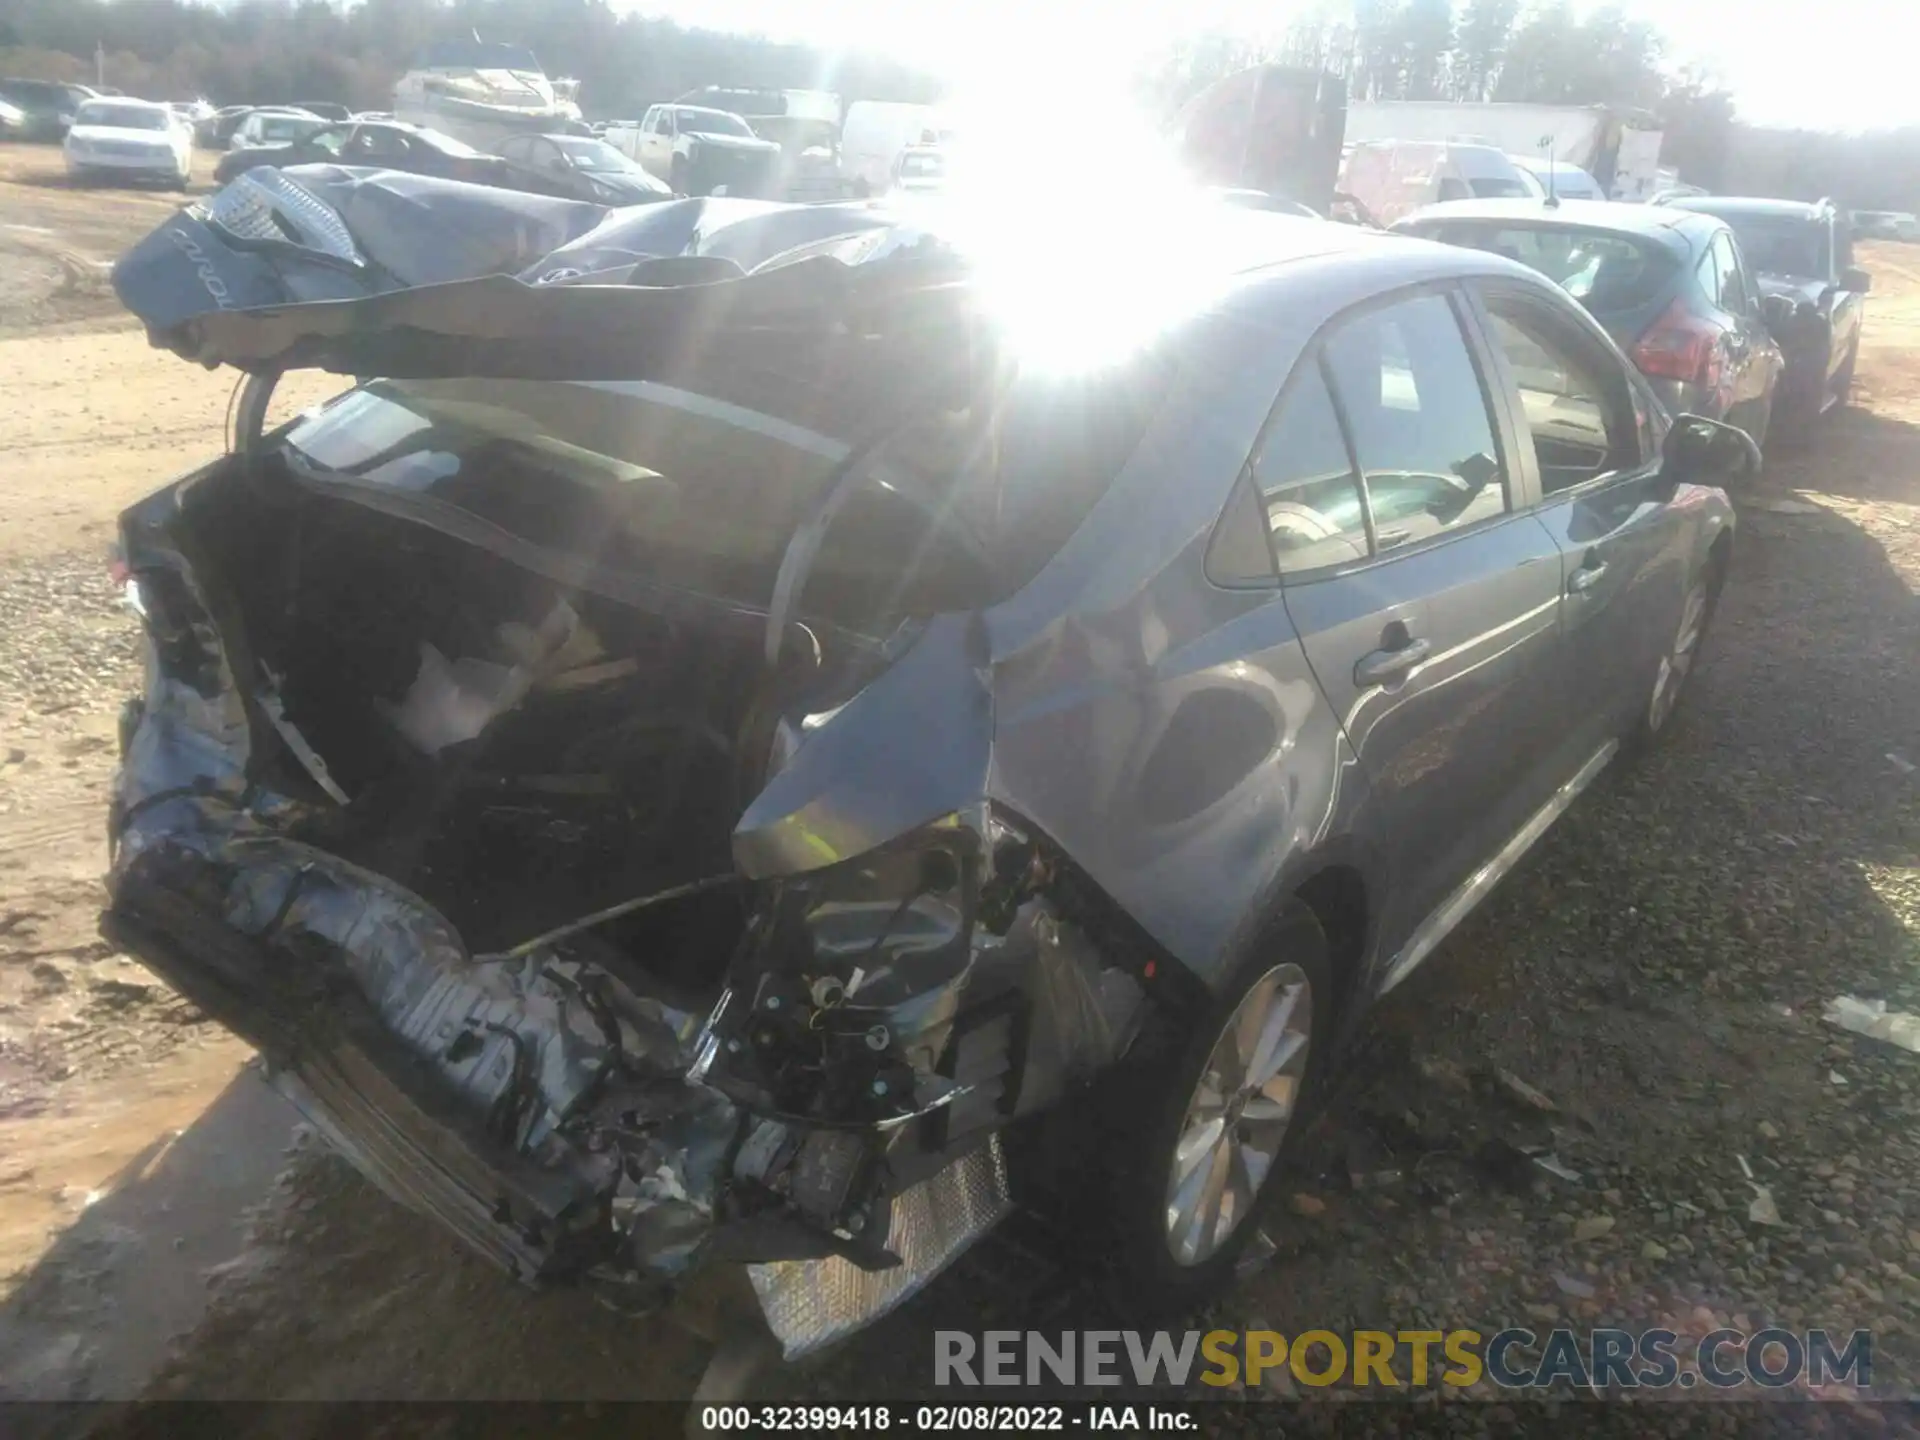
x,y
1605,272
1496,189
958,507
1782,244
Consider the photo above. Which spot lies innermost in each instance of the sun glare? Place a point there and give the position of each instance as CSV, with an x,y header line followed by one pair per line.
x,y
1076,219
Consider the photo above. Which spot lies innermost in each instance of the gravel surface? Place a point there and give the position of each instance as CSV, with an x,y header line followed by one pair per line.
x,y
67,641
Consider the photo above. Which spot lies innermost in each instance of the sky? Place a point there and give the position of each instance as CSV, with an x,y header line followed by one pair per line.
x,y
1812,63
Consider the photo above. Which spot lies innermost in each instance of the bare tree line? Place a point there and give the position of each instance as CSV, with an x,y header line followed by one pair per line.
x,y
267,50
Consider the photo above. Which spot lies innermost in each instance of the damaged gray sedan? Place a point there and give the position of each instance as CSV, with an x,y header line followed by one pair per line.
x,y
697,762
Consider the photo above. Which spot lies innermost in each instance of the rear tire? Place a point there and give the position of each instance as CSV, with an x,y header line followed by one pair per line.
x,y
1763,426
1208,1136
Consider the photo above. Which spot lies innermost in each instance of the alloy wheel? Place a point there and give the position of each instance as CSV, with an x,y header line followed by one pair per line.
x,y
1239,1114
1677,663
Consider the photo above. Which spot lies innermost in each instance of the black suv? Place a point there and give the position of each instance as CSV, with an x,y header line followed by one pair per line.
x,y
48,105
1805,253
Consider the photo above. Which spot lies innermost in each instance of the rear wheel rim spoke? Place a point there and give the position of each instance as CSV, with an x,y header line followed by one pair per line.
x,y
1239,1113
1677,663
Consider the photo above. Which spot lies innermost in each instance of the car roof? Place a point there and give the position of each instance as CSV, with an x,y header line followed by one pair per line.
x,y
1650,222
126,100
1280,271
1728,206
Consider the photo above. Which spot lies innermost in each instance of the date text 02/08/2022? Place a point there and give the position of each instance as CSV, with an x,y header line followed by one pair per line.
x,y
940,1419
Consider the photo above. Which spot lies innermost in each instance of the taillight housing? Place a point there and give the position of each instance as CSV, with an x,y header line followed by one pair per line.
x,y
1680,346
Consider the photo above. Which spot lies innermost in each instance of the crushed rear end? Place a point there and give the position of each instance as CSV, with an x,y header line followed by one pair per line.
x,y
618,920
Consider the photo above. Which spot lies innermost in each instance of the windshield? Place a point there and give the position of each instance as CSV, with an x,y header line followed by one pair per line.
x,y
593,155
713,122
283,129
1605,272
954,508
122,117
922,167
1782,244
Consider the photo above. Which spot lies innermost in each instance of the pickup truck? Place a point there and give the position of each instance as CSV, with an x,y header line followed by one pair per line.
x,y
699,151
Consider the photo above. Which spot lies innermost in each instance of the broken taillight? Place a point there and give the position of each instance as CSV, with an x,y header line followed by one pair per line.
x,y
1680,346
120,575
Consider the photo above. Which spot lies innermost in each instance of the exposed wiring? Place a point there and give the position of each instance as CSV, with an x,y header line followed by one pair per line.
x,y
600,917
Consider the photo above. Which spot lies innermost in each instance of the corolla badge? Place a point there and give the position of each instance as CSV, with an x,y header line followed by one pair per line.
x,y
210,280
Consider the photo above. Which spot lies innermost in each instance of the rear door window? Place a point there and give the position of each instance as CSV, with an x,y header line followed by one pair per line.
x,y
1316,512
332,140
1733,293
1414,406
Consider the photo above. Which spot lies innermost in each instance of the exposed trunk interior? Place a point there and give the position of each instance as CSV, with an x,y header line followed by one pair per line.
x,y
614,748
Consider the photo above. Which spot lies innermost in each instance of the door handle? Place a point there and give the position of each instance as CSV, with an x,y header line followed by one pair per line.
x,y
1586,577
1383,667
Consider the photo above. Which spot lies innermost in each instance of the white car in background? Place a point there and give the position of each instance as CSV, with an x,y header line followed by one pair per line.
x,y
129,139
1557,178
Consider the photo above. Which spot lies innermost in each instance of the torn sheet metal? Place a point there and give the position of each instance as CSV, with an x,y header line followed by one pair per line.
x,y
910,748
376,272
537,1105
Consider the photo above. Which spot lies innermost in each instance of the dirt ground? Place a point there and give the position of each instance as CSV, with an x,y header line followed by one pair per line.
x,y
1657,970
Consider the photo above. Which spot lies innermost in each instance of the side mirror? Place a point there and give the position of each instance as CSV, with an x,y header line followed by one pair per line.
x,y
1855,279
1699,451
1776,310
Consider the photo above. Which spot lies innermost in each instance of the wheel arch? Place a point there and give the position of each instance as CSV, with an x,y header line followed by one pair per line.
x,y
1719,560
1341,901
1341,886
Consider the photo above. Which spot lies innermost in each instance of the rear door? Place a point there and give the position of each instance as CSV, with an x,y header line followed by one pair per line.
x,y
656,141
1752,359
1590,434
1849,306
1429,608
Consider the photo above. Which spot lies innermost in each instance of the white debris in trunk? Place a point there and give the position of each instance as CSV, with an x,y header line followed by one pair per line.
x,y
452,701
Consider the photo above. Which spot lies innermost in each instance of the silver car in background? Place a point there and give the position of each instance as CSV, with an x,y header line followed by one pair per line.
x,y
703,760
